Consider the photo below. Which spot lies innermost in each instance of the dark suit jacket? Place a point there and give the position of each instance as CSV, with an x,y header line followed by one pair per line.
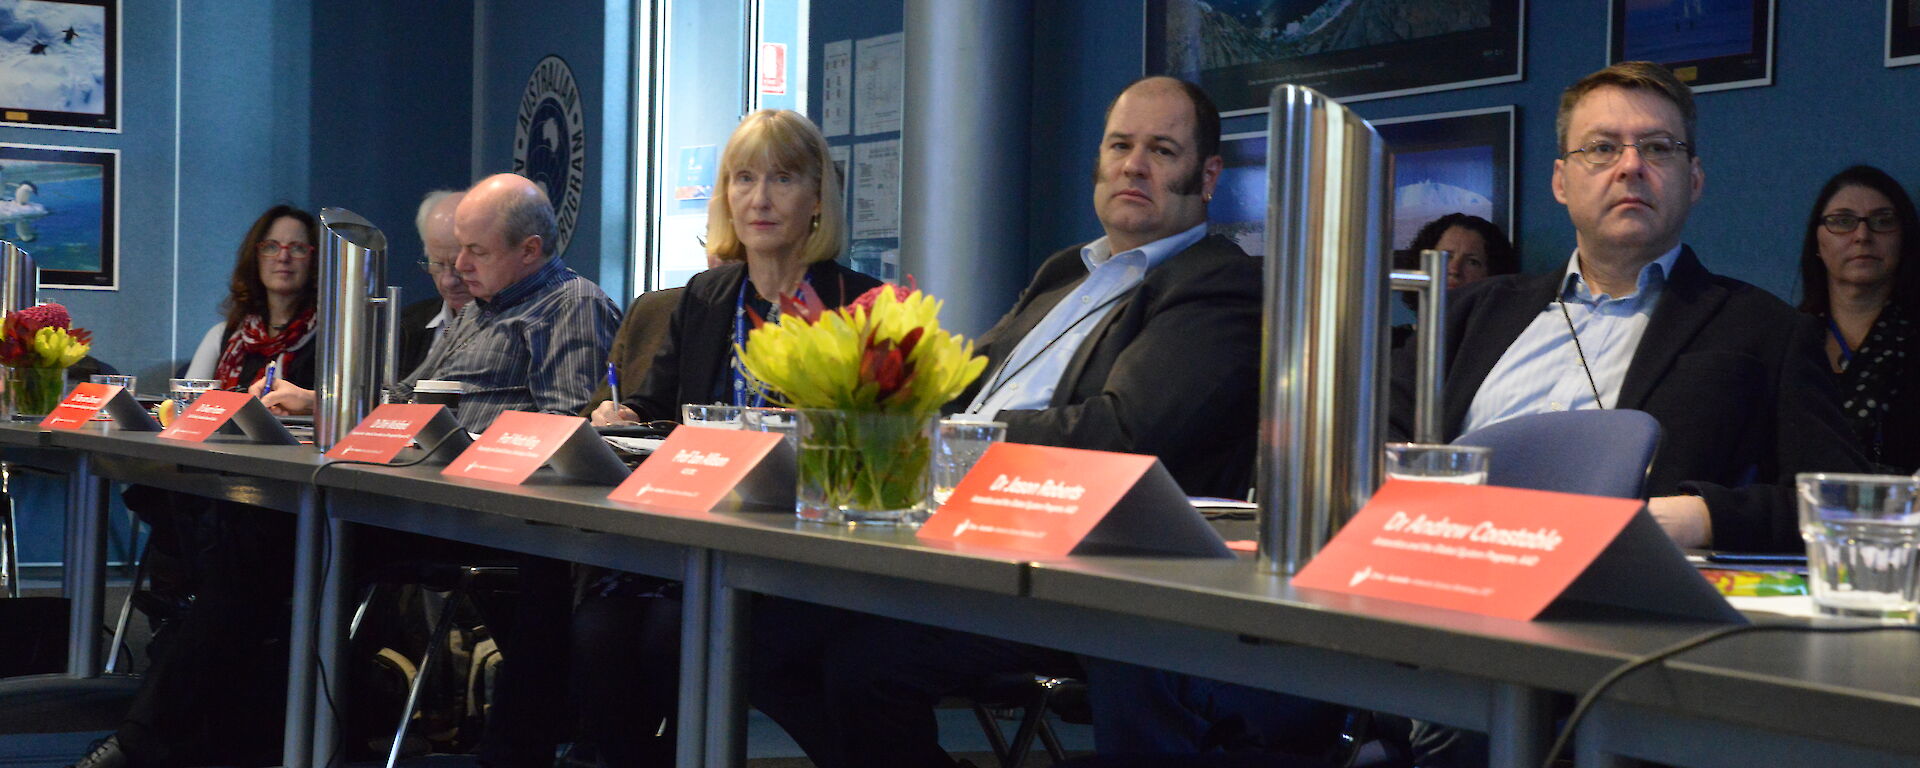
x,y
1171,371
1735,377
415,337
694,356
642,330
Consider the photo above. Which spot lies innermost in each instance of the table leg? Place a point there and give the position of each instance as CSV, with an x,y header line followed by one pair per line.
x,y
727,643
85,576
1590,743
336,606
691,735
298,746
1520,727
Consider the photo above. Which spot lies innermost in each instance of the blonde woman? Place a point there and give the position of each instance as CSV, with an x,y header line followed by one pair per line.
x,y
776,226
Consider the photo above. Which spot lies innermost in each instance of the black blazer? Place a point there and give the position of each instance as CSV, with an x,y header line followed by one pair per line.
x,y
415,337
1736,378
693,358
1172,371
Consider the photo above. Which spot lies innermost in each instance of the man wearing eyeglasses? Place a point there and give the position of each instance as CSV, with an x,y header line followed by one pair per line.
x,y
1733,374
424,322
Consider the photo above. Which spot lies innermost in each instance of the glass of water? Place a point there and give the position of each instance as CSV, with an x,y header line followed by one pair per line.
x,y
1461,464
1863,541
113,380
184,391
785,421
715,416
956,448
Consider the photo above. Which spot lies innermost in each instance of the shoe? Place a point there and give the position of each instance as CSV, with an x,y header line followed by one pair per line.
x,y
104,753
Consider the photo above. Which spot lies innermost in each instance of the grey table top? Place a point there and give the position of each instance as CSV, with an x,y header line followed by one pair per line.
x,y
294,463
769,533
22,433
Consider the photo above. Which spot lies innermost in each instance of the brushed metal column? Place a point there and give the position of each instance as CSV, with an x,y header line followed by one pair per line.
x,y
963,155
353,268
19,278
1324,375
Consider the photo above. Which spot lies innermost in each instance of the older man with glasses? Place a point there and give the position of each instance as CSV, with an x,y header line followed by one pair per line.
x,y
425,321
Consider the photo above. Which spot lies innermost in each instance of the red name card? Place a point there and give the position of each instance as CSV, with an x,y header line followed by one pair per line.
x,y
517,443
81,405
1509,553
206,415
391,428
696,467
1052,502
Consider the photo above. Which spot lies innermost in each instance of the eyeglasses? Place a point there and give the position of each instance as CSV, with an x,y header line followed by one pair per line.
x,y
1878,221
268,248
435,268
1657,151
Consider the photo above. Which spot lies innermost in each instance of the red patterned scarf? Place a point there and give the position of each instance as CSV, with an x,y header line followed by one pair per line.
x,y
253,338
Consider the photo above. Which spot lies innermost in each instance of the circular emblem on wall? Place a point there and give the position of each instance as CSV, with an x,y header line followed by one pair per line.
x,y
550,142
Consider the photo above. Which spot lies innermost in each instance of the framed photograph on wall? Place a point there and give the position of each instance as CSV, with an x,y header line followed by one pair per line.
x,y
61,204
1454,162
60,64
1239,50
1903,32
1239,208
1712,45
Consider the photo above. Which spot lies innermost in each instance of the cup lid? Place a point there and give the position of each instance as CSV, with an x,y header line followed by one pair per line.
x,y
438,385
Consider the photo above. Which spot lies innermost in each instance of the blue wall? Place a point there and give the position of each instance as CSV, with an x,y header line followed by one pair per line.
x,y
1766,150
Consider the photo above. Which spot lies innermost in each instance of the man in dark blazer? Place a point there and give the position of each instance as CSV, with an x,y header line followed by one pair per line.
x,y
1734,375
1143,341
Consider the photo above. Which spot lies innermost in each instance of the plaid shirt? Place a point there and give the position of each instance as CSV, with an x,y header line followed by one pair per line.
x,y
540,345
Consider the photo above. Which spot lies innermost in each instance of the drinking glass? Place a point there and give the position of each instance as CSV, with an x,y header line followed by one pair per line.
x,y
1863,541
184,391
113,379
1462,464
957,447
785,421
716,416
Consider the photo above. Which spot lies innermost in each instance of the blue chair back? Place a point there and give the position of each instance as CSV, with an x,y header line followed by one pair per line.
x,y
1598,453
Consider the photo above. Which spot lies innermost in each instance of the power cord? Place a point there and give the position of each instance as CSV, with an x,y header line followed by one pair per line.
x,y
326,564
1588,699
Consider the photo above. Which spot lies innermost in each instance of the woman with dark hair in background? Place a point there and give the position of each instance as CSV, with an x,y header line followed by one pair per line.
x,y
1858,272
1480,250
269,308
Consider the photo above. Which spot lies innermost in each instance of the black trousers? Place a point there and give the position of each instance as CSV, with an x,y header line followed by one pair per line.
x,y
215,692
856,690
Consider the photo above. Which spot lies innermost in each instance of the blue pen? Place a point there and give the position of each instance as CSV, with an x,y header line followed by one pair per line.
x,y
273,372
613,384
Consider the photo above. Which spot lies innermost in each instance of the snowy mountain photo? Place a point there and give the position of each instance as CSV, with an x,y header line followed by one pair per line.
x,y
54,58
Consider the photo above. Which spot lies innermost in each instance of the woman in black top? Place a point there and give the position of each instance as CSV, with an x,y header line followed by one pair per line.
x,y
1858,272
775,224
269,307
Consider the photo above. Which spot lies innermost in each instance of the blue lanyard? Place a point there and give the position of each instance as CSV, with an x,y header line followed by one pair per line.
x,y
744,394
1846,352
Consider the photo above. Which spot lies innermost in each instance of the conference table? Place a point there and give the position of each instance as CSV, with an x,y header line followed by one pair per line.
x,y
1767,699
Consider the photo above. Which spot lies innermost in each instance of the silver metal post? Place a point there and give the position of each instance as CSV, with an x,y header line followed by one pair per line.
x,y
86,567
9,538
19,278
353,265
1323,383
690,745
297,745
1430,284
390,372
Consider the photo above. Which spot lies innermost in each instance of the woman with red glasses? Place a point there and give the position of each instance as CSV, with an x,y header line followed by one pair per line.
x,y
269,306
1860,272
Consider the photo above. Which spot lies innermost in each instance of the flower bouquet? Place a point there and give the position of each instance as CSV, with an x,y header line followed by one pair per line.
x,y
869,380
37,344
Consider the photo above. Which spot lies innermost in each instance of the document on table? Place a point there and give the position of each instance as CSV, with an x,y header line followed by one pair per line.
x,y
836,89
879,83
876,189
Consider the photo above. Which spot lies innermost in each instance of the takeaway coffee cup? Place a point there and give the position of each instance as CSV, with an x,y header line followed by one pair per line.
x,y
434,392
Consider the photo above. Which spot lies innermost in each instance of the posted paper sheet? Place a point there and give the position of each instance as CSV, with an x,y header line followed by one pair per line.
x,y
836,87
876,189
879,82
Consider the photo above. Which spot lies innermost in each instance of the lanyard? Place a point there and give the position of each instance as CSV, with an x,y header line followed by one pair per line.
x,y
1846,352
746,395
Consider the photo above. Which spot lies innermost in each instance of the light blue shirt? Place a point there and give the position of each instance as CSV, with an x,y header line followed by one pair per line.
x,y
1541,371
1027,379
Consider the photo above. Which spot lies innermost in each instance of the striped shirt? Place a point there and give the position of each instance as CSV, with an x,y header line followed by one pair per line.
x,y
540,345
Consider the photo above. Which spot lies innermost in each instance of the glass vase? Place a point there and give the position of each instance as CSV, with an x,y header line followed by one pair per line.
x,y
34,392
864,467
